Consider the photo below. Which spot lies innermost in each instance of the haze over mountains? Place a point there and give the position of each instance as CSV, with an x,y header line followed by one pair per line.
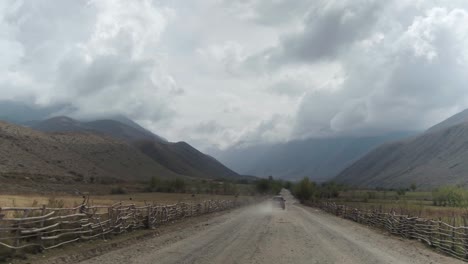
x,y
117,148
320,159
436,157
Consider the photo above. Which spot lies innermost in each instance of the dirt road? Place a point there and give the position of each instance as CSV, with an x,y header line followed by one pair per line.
x,y
263,234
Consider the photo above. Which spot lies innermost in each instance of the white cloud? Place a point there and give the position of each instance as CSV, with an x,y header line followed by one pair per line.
x,y
100,56
219,72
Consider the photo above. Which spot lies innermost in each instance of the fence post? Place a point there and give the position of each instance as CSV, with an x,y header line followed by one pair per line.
x,y
39,234
109,216
465,238
439,230
453,233
18,230
148,217
431,233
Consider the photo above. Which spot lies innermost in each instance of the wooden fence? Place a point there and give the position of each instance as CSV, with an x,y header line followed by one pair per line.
x,y
42,228
446,237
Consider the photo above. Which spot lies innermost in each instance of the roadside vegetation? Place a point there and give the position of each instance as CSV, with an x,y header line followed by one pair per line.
x,y
271,186
159,190
445,203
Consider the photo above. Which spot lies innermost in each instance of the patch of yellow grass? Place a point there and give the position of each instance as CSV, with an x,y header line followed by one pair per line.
x,y
136,198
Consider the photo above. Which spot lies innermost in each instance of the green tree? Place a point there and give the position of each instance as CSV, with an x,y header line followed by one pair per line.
x,y
304,190
262,186
179,185
154,184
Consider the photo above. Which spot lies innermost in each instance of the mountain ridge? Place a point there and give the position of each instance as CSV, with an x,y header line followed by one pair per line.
x,y
177,157
317,158
438,156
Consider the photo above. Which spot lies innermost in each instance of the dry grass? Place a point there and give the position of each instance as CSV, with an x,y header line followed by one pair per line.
x,y
137,198
412,204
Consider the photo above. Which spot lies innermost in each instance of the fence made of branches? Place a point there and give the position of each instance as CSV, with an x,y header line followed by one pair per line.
x,y
447,237
43,228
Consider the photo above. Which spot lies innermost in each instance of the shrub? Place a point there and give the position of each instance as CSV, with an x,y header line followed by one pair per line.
x,y
401,191
304,190
118,190
450,196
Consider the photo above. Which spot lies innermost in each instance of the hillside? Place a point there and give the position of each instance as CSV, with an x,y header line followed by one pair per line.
x,y
184,159
428,160
72,157
456,119
128,132
317,158
180,158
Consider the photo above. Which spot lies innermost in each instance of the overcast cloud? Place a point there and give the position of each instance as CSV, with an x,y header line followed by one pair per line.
x,y
219,72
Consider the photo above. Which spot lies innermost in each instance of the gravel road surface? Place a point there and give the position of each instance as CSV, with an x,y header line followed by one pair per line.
x,y
264,234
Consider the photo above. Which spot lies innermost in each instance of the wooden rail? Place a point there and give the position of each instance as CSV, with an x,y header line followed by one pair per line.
x,y
451,239
46,228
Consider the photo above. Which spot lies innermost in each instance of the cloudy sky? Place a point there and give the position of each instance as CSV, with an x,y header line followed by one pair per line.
x,y
219,72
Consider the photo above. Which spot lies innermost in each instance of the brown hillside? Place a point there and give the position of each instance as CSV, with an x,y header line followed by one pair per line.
x,y
180,158
72,157
184,159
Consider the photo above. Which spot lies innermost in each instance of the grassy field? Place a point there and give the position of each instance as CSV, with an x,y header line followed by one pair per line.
x,y
414,203
136,198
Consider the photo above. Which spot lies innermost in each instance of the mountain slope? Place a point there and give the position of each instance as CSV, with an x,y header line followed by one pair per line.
x,y
319,159
456,119
428,160
184,159
72,157
180,158
108,127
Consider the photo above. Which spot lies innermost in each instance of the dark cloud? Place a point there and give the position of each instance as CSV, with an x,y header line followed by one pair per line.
x,y
329,28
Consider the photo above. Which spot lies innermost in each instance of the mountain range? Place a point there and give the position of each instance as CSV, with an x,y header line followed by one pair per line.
x,y
438,156
67,150
319,159
115,148
435,157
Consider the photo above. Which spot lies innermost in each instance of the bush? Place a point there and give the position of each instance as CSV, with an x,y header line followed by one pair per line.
x,y
154,183
304,190
178,185
371,195
450,196
330,190
118,190
157,185
401,191
268,186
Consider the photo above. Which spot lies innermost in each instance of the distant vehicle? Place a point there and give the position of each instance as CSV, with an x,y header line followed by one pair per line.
x,y
279,201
